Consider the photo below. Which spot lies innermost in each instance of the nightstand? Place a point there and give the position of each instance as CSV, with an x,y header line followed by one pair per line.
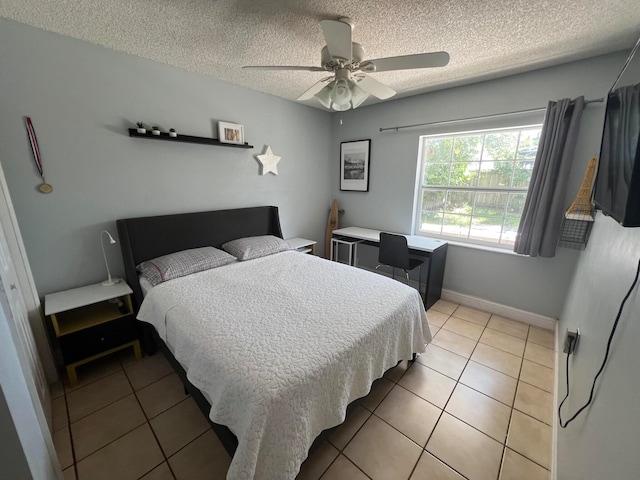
x,y
92,322
303,245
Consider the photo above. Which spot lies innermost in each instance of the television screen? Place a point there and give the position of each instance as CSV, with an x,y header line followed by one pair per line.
x,y
617,189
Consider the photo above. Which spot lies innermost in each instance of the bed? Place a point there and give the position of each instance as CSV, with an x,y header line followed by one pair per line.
x,y
274,348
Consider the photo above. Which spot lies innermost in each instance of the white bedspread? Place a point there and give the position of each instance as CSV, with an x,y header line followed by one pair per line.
x,y
281,345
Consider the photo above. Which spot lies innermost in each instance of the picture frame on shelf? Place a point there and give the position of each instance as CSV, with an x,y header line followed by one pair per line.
x,y
230,133
354,165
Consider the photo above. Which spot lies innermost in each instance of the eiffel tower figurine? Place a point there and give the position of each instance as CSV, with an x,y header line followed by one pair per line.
x,y
582,206
579,217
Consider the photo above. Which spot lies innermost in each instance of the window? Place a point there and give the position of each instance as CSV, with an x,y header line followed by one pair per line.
x,y
473,185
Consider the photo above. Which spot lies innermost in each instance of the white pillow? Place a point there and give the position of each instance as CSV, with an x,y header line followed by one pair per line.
x,y
183,263
254,247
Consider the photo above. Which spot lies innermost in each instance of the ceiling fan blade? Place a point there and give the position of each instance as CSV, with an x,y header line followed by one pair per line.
x,y
315,88
338,37
284,67
406,62
375,88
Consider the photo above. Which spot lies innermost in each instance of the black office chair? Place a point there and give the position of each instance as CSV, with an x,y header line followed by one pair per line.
x,y
394,253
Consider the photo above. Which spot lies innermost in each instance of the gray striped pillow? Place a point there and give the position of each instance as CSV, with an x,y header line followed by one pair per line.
x,y
183,263
253,247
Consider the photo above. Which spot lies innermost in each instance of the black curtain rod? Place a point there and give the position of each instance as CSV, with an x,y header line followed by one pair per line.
x,y
446,122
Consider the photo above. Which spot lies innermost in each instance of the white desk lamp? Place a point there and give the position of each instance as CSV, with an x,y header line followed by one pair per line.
x,y
110,281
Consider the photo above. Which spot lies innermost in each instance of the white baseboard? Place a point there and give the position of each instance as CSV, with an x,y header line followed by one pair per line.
x,y
503,310
524,316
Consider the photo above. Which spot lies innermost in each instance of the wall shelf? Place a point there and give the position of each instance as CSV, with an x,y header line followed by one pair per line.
x,y
186,139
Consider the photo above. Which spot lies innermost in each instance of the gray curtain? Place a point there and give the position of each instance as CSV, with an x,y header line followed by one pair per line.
x,y
544,209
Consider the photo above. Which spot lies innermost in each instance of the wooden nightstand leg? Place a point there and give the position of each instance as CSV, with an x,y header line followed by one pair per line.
x,y
136,350
71,373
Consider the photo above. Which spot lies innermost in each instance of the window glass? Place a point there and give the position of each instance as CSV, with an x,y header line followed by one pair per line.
x,y
473,186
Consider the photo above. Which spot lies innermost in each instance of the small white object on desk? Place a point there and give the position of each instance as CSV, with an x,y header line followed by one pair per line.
x,y
303,245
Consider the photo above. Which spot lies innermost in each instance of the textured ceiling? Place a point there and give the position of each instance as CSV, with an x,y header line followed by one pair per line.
x,y
485,38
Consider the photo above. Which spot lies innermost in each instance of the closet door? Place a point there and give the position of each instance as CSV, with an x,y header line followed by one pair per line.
x,y
16,313
24,301
22,385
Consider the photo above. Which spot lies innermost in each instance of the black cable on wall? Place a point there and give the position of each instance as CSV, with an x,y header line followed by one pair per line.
x,y
604,361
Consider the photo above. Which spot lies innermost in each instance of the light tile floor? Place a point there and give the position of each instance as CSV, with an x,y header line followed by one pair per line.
x,y
477,405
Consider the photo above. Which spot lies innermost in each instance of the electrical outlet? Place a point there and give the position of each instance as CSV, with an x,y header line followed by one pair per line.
x,y
571,341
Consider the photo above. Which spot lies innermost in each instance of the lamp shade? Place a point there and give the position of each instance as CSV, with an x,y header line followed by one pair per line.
x,y
343,93
358,95
324,95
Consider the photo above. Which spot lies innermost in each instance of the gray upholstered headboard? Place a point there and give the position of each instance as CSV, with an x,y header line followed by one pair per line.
x,y
144,238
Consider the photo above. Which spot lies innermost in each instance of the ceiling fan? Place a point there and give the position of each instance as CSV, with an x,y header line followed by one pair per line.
x,y
349,85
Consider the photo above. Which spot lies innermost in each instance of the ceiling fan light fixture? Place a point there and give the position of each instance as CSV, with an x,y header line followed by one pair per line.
x,y
324,95
341,108
358,95
341,93
345,61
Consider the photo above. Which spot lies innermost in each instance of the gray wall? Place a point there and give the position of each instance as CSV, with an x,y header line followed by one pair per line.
x,y
603,441
533,284
82,98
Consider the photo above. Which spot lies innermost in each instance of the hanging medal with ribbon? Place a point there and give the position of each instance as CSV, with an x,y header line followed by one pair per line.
x,y
44,187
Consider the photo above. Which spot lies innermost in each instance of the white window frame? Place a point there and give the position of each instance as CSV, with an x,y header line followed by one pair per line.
x,y
420,188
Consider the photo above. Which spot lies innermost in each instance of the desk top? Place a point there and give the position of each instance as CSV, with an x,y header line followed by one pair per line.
x,y
415,242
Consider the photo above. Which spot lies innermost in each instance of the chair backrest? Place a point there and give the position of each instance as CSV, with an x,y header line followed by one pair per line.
x,y
393,250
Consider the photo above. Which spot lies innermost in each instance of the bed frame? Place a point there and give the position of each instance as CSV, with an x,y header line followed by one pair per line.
x,y
145,238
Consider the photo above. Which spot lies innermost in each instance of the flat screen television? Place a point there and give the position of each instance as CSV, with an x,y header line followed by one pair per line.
x,y
617,186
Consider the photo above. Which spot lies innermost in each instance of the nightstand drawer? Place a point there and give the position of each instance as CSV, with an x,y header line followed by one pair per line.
x,y
91,341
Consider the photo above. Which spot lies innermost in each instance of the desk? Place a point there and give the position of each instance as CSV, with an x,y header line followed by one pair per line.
x,y
434,250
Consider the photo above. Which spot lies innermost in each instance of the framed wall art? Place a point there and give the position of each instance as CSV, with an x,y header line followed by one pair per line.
x,y
230,133
354,165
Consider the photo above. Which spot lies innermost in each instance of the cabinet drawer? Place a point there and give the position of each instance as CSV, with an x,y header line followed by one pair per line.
x,y
91,341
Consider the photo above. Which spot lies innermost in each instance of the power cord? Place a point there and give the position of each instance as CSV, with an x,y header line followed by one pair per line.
x,y
604,361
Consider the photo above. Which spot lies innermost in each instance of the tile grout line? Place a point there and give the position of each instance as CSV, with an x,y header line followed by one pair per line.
x,y
451,394
340,451
512,407
104,406
504,446
353,463
504,351
423,449
147,421
91,382
442,411
523,413
74,465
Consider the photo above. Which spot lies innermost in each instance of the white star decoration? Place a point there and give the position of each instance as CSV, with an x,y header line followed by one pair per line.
x,y
269,161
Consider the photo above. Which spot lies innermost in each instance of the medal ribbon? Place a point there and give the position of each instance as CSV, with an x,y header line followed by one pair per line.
x,y
34,147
